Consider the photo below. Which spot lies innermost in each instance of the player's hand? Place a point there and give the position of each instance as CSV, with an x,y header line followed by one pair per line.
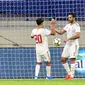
x,y
52,21
66,40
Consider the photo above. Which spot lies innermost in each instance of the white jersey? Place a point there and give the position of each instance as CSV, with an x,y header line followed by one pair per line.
x,y
71,29
40,36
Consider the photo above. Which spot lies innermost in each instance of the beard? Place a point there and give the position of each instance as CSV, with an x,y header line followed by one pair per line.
x,y
70,21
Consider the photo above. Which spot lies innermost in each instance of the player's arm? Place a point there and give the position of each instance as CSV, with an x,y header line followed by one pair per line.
x,y
52,27
56,30
76,36
60,32
32,35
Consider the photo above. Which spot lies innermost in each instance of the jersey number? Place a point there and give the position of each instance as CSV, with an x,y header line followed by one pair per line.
x,y
38,39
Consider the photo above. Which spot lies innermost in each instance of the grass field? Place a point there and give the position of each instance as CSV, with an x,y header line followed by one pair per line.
x,y
43,82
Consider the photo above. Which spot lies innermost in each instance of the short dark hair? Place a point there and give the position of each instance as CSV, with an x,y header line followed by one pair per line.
x,y
73,14
39,21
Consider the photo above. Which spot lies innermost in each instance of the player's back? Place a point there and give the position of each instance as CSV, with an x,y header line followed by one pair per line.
x,y
40,36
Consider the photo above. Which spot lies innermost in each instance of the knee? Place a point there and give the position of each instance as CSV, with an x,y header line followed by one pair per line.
x,y
39,63
63,60
73,60
48,63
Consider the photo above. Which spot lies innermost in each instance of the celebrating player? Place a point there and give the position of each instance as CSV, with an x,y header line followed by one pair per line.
x,y
40,35
72,45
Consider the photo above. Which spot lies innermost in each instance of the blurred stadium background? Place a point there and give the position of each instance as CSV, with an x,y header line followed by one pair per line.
x,y
17,19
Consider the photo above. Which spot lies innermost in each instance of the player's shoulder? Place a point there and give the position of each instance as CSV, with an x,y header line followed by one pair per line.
x,y
45,29
68,24
34,29
77,24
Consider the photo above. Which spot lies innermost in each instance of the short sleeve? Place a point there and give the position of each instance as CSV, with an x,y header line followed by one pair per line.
x,y
47,32
65,28
32,34
77,29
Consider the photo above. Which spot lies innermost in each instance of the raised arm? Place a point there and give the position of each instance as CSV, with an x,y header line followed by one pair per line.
x,y
56,30
52,27
60,32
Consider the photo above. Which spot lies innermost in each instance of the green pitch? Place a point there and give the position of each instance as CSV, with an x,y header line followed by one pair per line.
x,y
43,82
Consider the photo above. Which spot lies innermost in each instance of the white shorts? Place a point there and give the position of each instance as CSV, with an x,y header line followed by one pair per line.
x,y
70,51
45,57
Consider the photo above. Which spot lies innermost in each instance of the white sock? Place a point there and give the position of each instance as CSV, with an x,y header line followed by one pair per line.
x,y
37,69
48,70
72,72
66,66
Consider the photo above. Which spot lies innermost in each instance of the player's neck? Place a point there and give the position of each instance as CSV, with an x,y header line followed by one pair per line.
x,y
73,22
40,26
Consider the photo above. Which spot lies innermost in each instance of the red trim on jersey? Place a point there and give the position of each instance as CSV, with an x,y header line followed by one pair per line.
x,y
48,64
39,63
72,61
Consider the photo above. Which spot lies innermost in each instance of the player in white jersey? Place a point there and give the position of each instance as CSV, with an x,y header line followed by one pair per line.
x,y
40,35
72,45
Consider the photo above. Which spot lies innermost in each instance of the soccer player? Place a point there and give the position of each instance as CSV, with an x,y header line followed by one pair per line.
x,y
40,35
72,45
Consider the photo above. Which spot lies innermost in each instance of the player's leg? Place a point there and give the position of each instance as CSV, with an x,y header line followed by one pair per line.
x,y
65,64
64,58
38,64
72,72
48,69
73,54
48,65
